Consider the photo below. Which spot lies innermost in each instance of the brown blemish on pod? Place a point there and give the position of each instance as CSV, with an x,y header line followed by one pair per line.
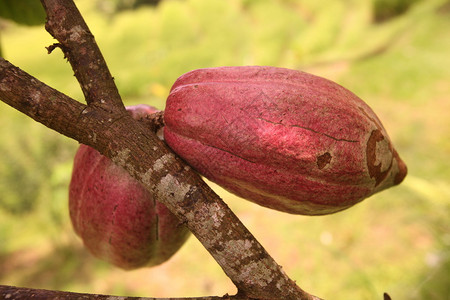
x,y
323,160
374,162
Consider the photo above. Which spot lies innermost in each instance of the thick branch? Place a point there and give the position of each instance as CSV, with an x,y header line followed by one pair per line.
x,y
39,101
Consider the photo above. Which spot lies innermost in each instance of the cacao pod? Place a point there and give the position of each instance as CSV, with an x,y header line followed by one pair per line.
x,y
284,139
116,217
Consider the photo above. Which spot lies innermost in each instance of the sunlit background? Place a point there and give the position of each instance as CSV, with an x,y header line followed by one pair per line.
x,y
394,54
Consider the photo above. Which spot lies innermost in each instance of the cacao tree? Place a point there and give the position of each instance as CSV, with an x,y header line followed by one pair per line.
x,y
131,143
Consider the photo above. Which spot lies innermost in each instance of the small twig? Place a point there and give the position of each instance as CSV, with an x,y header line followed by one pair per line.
x,y
53,47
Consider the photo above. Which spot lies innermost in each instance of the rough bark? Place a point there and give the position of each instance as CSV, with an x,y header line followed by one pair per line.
x,y
78,44
104,125
12,292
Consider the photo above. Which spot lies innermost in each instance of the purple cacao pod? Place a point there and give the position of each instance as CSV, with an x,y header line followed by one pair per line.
x,y
284,139
115,216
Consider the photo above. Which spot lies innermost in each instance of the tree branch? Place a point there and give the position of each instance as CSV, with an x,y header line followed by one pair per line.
x,y
64,22
104,125
20,293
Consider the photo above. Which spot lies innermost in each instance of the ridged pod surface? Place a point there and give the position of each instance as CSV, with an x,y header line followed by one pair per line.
x,y
116,217
284,139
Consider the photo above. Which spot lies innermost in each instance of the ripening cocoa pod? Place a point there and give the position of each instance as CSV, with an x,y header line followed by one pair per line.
x,y
284,139
116,217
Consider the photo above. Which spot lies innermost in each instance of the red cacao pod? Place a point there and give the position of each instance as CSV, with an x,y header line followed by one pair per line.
x,y
116,217
284,139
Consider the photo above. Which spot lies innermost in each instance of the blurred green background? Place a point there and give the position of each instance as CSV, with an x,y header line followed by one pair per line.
x,y
394,54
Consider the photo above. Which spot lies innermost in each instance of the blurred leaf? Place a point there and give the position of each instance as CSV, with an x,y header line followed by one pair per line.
x,y
384,10
26,12
117,6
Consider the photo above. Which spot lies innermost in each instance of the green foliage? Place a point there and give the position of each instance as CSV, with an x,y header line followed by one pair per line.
x,y
397,241
26,12
28,165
